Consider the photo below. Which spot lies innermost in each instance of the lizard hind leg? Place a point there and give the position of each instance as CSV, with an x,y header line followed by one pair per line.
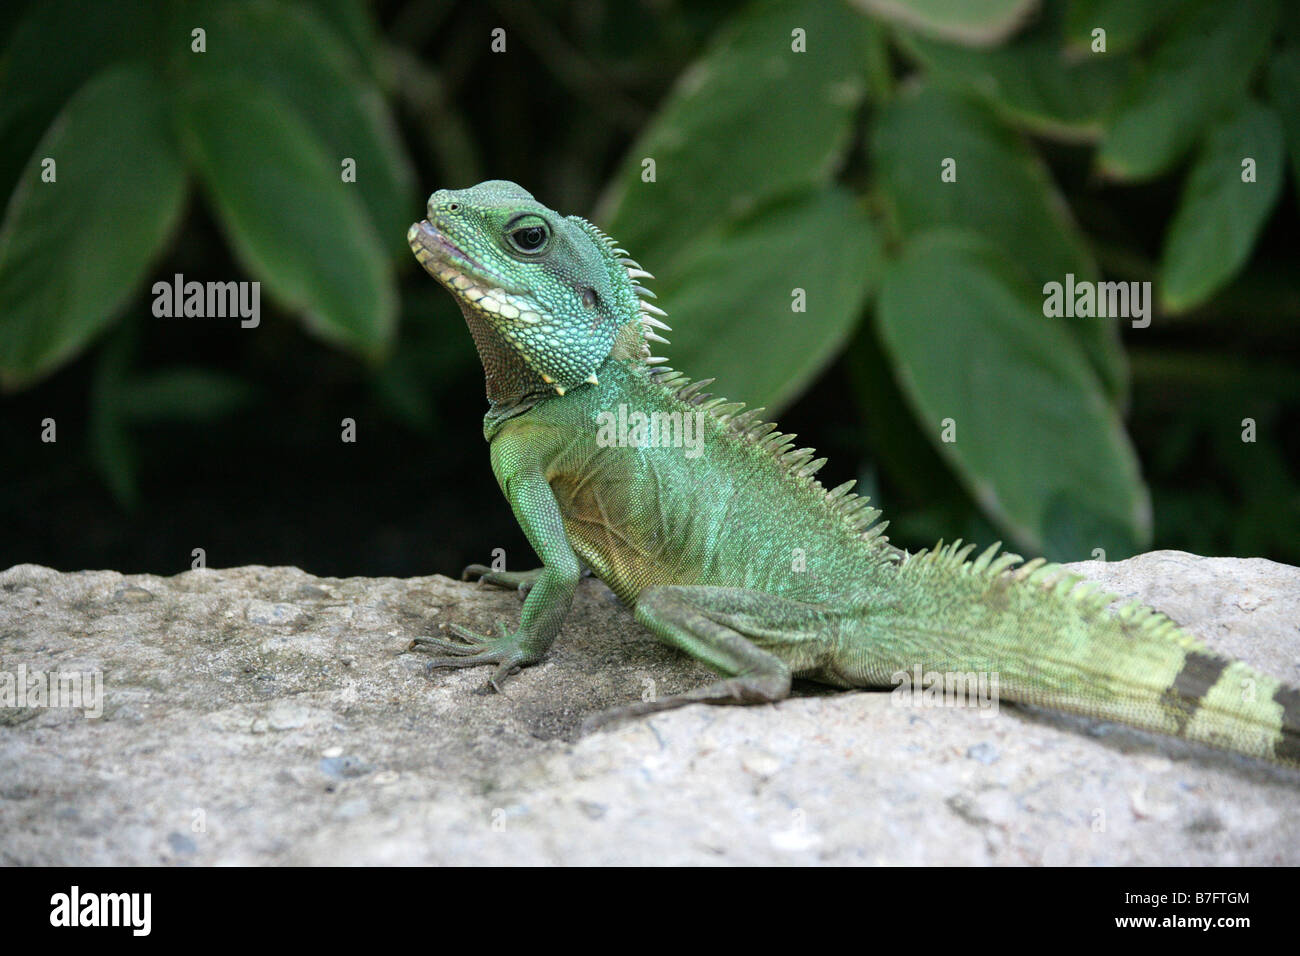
x,y
751,637
521,581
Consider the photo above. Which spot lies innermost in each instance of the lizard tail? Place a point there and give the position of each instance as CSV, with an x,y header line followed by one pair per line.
x,y
1052,641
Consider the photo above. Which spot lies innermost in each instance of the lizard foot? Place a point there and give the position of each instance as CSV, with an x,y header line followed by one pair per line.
x,y
474,650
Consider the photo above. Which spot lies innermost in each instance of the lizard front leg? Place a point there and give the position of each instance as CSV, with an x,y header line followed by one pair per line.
x,y
549,598
758,640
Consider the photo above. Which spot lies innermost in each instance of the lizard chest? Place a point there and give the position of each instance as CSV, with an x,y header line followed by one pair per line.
x,y
628,514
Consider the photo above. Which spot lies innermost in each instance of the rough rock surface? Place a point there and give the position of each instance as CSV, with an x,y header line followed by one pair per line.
x,y
265,716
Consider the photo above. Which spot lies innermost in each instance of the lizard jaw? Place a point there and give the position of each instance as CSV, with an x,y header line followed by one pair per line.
x,y
443,260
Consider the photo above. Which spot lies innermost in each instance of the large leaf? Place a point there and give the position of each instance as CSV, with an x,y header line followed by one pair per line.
x,y
1284,94
183,394
1033,80
750,120
290,51
54,50
1127,23
296,227
730,305
1002,191
72,252
1214,230
972,22
112,452
353,22
1002,188
1038,445
1200,69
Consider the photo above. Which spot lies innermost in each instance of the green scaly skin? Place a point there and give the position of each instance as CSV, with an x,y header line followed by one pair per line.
x,y
732,551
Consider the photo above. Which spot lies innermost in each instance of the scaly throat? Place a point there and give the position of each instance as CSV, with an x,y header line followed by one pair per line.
x,y
512,387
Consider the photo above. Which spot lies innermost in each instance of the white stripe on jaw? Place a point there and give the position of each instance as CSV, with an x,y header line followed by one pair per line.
x,y
496,301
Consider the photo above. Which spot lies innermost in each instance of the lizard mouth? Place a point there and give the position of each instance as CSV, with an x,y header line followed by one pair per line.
x,y
446,261
466,278
431,247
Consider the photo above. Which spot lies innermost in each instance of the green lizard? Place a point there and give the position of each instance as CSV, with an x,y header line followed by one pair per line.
x,y
736,554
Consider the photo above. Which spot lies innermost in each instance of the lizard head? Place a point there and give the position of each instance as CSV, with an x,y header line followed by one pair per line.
x,y
547,297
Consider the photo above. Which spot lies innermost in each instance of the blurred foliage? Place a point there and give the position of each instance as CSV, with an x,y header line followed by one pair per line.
x,y
796,144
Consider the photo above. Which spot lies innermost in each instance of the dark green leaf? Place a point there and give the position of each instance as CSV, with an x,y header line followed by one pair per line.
x,y
54,50
1284,93
291,221
1219,217
1200,69
1127,23
288,50
352,20
896,444
72,252
1036,437
111,450
1032,81
749,121
730,303
1002,191
186,395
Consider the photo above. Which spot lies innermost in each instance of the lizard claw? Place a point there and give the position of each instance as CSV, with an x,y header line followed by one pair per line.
x,y
473,650
476,640
504,670
603,719
469,643
520,581
594,722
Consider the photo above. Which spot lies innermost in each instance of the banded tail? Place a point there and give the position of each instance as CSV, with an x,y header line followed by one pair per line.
x,y
1049,636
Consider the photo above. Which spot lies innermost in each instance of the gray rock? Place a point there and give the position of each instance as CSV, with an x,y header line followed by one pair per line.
x,y
265,716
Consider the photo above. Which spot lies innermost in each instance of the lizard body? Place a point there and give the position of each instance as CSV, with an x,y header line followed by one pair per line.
x,y
726,545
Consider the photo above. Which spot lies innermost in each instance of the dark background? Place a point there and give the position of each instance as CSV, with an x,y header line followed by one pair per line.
x,y
240,454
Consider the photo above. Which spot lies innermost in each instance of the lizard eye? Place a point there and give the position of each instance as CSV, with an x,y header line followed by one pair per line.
x,y
529,238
